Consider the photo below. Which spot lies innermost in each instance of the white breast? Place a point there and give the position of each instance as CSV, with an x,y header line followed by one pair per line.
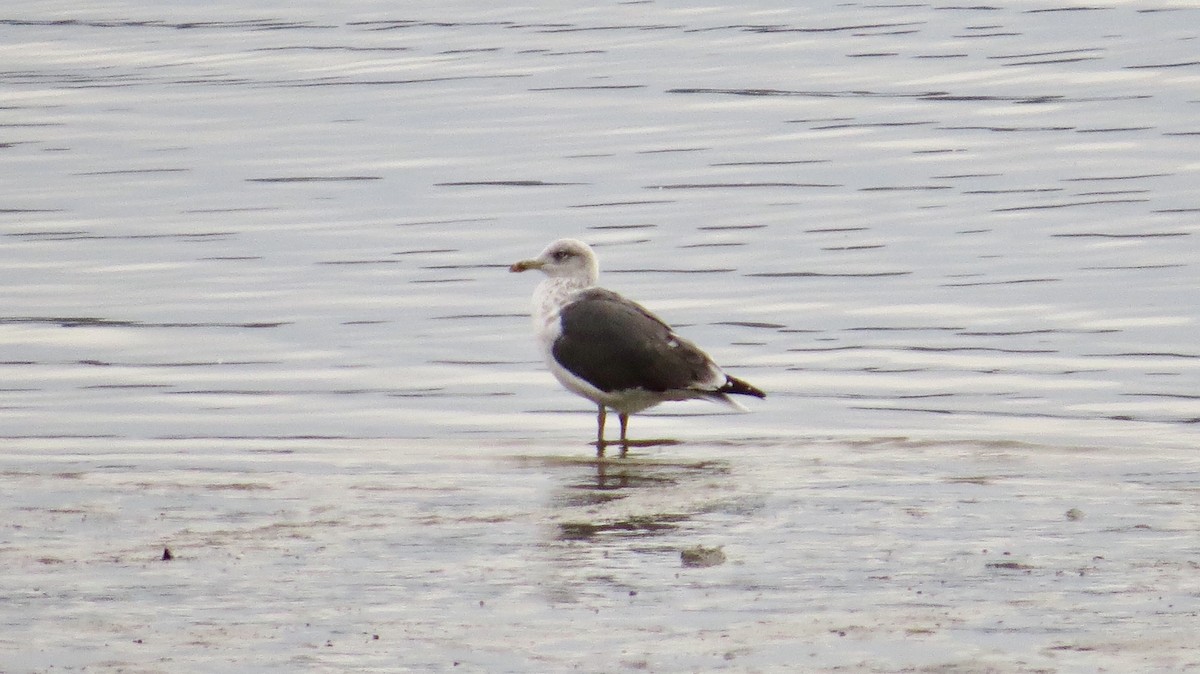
x,y
548,300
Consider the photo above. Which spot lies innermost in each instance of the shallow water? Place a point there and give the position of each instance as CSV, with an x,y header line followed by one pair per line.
x,y
258,313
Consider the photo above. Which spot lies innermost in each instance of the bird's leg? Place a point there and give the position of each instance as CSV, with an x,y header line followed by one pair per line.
x,y
624,425
600,417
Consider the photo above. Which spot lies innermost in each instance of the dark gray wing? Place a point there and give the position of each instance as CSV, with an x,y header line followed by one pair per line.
x,y
615,344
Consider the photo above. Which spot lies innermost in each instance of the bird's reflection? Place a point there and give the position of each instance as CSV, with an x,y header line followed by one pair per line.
x,y
602,479
642,493
606,481
625,444
614,475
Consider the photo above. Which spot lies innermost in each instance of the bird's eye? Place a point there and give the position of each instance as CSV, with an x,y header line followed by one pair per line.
x,y
560,255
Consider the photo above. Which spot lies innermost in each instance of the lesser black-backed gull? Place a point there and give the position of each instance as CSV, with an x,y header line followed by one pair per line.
x,y
611,350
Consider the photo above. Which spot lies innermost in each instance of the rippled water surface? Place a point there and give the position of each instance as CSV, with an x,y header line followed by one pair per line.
x,y
257,312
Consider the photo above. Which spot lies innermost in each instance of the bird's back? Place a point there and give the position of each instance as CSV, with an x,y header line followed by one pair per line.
x,y
616,344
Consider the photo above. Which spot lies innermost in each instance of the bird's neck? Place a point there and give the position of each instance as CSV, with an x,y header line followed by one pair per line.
x,y
558,291
550,297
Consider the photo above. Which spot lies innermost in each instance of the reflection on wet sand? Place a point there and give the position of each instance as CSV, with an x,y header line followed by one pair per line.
x,y
631,496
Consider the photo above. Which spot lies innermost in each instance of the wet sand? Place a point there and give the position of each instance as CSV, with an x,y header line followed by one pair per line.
x,y
880,555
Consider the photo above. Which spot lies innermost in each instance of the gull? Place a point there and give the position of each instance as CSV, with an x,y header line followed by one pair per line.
x,y
612,350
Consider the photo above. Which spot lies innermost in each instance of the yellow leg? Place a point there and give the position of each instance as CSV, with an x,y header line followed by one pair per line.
x,y
624,425
600,418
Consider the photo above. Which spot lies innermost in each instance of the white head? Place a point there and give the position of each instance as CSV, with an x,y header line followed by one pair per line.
x,y
565,258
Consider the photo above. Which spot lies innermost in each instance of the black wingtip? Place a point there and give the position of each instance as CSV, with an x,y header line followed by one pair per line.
x,y
739,387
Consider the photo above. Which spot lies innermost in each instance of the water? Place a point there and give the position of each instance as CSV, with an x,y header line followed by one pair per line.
x,y
257,311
